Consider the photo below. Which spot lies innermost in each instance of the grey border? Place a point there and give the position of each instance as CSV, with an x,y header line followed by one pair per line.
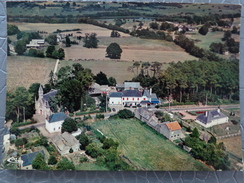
x,y
96,176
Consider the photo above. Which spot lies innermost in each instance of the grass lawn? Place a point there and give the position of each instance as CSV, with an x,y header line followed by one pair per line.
x,y
145,149
90,166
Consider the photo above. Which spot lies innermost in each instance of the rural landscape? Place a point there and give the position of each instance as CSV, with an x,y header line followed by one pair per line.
x,y
122,86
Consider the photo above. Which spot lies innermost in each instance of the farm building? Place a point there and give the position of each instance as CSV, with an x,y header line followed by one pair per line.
x,y
65,142
42,104
36,43
212,118
54,124
171,130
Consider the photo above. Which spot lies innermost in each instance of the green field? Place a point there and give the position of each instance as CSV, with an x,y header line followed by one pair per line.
x,y
145,149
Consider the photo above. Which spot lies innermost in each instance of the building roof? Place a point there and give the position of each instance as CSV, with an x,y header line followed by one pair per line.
x,y
57,117
64,141
173,126
154,98
28,158
131,93
51,94
146,93
132,84
115,94
209,116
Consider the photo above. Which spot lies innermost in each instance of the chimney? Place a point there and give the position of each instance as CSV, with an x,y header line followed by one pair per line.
x,y
150,91
206,113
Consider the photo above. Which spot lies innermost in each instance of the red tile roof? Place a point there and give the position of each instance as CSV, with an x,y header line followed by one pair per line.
x,y
173,126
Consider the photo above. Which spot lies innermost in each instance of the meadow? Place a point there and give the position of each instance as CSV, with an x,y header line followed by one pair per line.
x,y
145,149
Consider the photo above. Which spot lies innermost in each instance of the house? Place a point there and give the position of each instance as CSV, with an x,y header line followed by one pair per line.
x,y
65,142
54,124
115,98
26,160
42,104
36,43
131,97
171,130
212,118
146,116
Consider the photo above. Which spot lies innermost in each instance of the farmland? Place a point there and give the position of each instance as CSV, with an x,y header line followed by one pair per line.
x,y
148,151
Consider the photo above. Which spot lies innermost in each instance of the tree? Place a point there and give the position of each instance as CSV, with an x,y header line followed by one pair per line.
x,y
84,141
20,47
12,29
203,30
125,114
52,160
69,125
114,51
52,39
39,163
50,50
154,25
90,40
110,143
112,81
115,34
195,133
18,100
101,78
67,42
65,164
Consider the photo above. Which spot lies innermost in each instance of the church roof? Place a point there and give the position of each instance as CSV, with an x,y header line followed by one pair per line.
x,y
57,117
115,94
51,94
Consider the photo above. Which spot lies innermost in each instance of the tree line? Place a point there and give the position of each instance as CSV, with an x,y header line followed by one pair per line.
x,y
193,81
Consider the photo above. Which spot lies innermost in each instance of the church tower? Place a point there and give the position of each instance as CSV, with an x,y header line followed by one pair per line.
x,y
40,92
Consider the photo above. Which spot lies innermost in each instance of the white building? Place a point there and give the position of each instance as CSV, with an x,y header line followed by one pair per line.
x,y
115,98
36,43
54,124
65,142
212,118
171,130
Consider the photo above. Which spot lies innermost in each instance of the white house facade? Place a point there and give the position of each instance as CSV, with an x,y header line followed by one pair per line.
x,y
54,124
115,98
212,118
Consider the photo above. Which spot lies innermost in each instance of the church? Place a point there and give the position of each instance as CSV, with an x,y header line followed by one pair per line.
x,y
42,104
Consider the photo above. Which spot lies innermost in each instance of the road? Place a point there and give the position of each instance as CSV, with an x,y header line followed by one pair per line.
x,y
193,108
41,123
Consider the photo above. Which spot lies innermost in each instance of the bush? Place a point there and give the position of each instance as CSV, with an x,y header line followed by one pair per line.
x,y
125,114
83,159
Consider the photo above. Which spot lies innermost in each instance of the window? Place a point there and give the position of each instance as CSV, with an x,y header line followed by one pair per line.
x,y
144,99
123,98
138,99
127,99
53,129
132,98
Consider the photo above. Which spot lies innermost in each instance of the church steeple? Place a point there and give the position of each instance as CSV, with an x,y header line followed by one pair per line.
x,y
40,92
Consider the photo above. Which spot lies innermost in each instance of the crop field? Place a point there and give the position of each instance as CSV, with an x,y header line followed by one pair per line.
x,y
23,71
145,149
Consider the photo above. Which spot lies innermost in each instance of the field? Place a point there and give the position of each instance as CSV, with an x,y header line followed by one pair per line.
x,y
146,150
23,71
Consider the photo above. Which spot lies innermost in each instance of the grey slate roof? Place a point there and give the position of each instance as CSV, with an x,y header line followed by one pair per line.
x,y
115,94
146,93
154,98
132,84
57,117
51,94
131,93
211,115
28,158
